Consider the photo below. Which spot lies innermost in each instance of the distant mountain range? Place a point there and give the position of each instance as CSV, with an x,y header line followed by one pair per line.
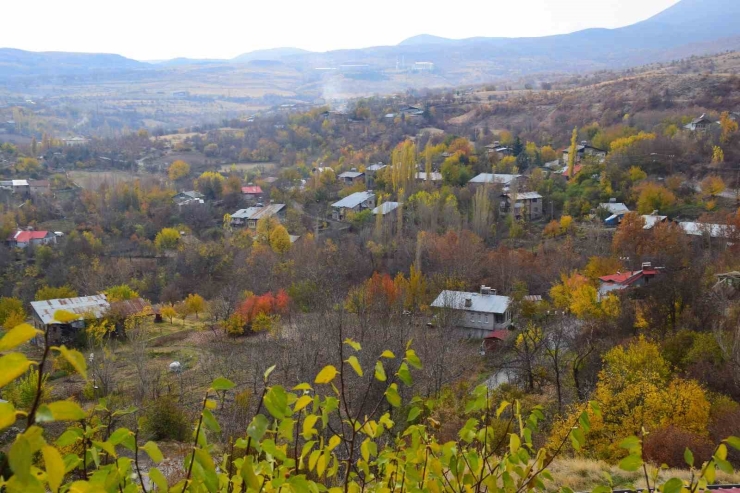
x,y
689,27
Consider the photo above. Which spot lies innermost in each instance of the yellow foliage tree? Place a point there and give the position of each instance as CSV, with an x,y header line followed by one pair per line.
x,y
280,239
167,239
178,169
718,155
572,152
712,185
636,391
654,197
728,125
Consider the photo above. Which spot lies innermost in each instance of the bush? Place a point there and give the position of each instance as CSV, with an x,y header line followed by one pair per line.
x,y
22,392
166,420
667,446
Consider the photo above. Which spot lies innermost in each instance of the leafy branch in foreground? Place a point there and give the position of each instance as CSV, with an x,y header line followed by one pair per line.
x,y
310,438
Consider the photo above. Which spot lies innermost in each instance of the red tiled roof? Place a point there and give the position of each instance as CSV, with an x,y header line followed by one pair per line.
x,y
627,277
26,236
500,335
252,190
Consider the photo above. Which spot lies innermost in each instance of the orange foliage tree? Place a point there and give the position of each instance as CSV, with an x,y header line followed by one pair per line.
x,y
266,304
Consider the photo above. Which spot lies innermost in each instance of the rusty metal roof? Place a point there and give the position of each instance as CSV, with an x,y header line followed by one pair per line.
x,y
95,305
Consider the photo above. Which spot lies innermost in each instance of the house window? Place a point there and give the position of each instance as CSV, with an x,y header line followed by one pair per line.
x,y
534,201
486,318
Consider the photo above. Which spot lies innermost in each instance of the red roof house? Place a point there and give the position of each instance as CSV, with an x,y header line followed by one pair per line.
x,y
624,280
22,239
252,190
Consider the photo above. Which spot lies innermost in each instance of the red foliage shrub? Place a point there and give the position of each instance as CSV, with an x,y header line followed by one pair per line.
x,y
266,304
667,446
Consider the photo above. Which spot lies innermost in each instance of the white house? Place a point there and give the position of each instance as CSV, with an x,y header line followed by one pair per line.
x,y
477,314
356,202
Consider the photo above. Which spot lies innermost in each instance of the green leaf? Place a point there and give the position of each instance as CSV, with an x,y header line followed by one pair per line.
x,y
248,475
326,375
222,383
380,371
673,485
355,364
733,442
630,463
414,413
258,427
210,421
392,395
152,450
76,359
156,476
724,466
17,336
629,443
276,402
20,458
353,344
688,457
60,411
12,366
404,374
7,415
710,472
413,359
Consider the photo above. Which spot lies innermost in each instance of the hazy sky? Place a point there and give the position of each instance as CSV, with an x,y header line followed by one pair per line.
x,y
158,29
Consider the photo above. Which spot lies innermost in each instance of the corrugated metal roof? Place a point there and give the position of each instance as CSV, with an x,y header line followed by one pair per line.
x,y
375,167
352,201
526,195
494,178
435,176
95,305
614,207
701,229
386,207
245,213
350,174
652,219
484,303
252,190
267,211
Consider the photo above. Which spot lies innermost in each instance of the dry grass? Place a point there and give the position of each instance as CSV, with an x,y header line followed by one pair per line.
x,y
584,475
243,167
92,180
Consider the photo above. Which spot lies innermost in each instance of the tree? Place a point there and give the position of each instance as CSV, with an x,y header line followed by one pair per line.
x,y
548,154
167,239
403,165
481,211
712,185
728,125
280,240
718,155
654,197
10,306
122,292
211,184
636,390
178,169
53,293
168,311
573,153
195,304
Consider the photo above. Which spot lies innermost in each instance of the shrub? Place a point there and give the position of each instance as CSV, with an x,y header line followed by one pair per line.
x,y
166,420
667,446
23,391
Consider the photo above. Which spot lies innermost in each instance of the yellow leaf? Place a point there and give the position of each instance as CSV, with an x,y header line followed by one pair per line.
x,y
355,364
326,375
76,359
17,336
7,415
12,366
387,354
302,402
54,467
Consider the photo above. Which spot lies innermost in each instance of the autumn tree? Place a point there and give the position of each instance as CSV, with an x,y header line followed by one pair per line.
x,y
167,239
178,169
10,306
728,125
168,311
280,239
210,184
718,155
122,292
403,165
631,239
481,211
53,293
195,304
637,391
654,197
573,153
712,185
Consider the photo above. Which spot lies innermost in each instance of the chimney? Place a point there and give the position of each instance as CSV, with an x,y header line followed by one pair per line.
x,y
493,291
468,302
613,200
647,266
584,142
485,290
